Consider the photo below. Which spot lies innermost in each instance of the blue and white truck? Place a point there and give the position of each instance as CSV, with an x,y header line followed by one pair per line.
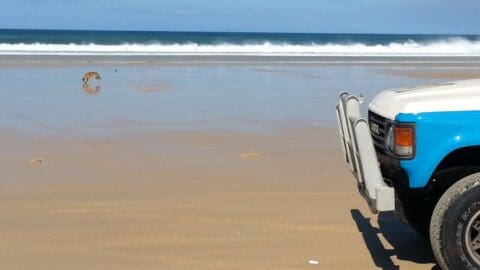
x,y
418,153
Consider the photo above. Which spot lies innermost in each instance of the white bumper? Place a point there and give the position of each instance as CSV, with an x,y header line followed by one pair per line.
x,y
360,154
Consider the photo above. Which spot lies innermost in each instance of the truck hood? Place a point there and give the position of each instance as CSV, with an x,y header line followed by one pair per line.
x,y
449,96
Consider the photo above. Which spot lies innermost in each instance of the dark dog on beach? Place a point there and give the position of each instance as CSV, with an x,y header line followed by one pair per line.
x,y
89,75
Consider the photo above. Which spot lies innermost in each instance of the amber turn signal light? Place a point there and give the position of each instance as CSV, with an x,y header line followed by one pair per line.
x,y
404,140
403,136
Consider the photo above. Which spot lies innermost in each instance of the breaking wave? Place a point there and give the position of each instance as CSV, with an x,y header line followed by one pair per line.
x,y
451,47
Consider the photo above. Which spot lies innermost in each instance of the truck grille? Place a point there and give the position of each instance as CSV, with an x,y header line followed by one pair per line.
x,y
378,127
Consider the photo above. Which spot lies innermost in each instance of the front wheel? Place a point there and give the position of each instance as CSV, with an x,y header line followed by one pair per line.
x,y
455,226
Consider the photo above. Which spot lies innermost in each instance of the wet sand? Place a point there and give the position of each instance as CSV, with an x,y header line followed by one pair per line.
x,y
253,180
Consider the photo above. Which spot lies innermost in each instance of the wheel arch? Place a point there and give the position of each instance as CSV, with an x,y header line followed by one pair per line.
x,y
463,157
454,166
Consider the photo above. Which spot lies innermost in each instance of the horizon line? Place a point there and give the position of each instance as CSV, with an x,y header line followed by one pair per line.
x,y
236,32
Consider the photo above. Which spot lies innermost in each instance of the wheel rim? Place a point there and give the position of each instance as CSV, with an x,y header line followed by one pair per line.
x,y
473,237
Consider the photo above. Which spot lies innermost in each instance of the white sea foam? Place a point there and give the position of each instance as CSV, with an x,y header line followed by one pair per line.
x,y
438,48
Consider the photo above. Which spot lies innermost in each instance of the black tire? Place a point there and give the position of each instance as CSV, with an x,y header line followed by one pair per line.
x,y
452,225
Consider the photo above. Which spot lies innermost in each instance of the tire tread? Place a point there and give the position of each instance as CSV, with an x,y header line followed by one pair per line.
x,y
438,216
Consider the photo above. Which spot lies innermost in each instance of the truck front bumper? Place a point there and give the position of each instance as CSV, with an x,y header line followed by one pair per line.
x,y
360,154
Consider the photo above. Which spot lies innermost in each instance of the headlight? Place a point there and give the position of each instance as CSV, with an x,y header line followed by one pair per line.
x,y
400,140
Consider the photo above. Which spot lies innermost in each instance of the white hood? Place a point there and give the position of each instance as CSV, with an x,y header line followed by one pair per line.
x,y
450,96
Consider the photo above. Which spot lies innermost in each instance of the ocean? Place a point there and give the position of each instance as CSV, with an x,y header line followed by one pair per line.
x,y
63,42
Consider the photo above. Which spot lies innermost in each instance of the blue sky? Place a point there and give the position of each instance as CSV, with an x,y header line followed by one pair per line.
x,y
342,16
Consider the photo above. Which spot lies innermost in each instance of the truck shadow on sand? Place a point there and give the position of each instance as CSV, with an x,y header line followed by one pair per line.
x,y
407,244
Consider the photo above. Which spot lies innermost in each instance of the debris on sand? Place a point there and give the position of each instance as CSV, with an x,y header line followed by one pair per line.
x,y
250,154
314,262
146,88
37,161
156,86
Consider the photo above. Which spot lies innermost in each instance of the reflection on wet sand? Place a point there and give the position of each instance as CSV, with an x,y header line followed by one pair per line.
x,y
91,90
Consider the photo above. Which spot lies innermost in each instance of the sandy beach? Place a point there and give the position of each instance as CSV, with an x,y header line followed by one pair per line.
x,y
192,166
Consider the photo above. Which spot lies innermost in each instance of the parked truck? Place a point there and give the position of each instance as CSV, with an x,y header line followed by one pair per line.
x,y
418,153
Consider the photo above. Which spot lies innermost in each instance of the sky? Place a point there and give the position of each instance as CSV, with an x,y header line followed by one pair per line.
x,y
307,16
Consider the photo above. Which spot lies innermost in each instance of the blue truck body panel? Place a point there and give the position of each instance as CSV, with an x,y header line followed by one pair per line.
x,y
437,135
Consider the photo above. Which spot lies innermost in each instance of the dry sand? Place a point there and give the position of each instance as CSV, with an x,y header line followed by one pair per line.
x,y
188,200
